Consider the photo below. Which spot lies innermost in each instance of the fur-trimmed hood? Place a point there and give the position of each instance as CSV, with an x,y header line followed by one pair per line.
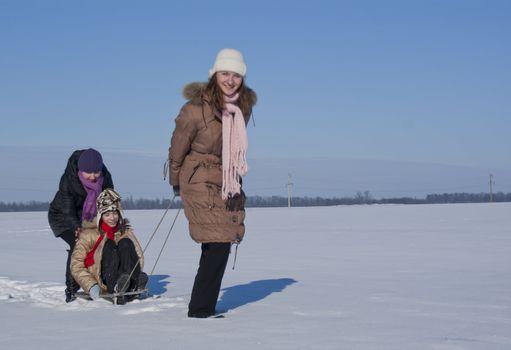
x,y
193,92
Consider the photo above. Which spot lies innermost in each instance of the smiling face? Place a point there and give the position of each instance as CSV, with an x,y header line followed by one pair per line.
x,y
111,218
92,177
228,82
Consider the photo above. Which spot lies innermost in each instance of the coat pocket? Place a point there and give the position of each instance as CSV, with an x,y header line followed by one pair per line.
x,y
208,174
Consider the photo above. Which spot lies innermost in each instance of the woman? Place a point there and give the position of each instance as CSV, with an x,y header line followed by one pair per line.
x,y
107,256
75,202
207,160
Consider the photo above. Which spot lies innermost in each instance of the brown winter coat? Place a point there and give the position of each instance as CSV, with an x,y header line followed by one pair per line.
x,y
195,158
87,277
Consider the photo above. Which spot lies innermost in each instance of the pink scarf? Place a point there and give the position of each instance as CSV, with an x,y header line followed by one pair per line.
x,y
234,147
93,190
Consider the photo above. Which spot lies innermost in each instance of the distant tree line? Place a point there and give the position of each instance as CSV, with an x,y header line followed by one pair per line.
x,y
130,203
26,206
365,198
279,201
468,197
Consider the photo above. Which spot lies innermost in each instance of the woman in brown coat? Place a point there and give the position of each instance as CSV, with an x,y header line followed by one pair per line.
x,y
207,159
107,257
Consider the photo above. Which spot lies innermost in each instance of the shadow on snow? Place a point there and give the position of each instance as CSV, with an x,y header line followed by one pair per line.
x,y
236,296
157,284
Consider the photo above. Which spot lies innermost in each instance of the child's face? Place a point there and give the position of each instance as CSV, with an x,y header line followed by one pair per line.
x,y
111,218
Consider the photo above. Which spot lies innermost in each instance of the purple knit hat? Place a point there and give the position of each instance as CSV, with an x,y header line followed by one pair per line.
x,y
90,161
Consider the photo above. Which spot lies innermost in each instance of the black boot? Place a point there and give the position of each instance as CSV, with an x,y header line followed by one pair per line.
x,y
137,286
71,289
70,295
71,285
122,285
200,314
142,281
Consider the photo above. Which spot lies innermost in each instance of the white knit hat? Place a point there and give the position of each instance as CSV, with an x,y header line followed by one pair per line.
x,y
229,60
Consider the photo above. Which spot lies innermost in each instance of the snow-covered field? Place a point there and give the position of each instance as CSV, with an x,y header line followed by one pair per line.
x,y
351,277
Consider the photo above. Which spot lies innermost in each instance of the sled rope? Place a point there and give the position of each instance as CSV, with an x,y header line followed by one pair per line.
x,y
166,239
151,238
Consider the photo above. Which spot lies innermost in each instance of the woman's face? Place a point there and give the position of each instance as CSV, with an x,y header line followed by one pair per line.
x,y
228,82
93,177
111,218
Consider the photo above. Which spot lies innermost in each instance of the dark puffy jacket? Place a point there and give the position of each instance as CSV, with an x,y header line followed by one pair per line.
x,y
65,211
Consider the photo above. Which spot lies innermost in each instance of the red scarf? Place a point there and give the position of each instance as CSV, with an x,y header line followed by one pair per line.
x,y
110,233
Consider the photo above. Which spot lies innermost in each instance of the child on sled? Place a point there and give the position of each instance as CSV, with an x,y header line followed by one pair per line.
x,y
105,255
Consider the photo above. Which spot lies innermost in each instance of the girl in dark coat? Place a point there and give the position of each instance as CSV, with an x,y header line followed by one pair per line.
x,y
83,180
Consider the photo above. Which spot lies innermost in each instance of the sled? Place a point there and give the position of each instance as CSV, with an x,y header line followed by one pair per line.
x,y
112,297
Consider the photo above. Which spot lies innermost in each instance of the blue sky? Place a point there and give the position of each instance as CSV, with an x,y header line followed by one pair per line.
x,y
404,81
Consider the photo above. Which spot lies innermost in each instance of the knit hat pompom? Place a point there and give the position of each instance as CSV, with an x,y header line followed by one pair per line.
x,y
230,60
90,161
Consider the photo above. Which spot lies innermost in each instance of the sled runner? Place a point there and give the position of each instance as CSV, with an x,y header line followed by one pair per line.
x,y
141,292
122,298
114,297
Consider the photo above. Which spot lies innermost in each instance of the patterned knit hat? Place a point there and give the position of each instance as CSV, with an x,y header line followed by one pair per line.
x,y
108,200
229,60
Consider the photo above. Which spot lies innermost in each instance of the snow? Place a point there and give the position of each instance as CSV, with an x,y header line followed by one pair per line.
x,y
346,277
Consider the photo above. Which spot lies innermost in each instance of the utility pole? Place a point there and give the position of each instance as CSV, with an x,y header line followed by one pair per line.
x,y
289,185
491,187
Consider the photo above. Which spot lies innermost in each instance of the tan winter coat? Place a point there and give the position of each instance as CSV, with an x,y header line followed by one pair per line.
x,y
87,277
195,158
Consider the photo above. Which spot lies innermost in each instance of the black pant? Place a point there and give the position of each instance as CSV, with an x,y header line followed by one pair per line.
x,y
209,276
70,239
118,259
